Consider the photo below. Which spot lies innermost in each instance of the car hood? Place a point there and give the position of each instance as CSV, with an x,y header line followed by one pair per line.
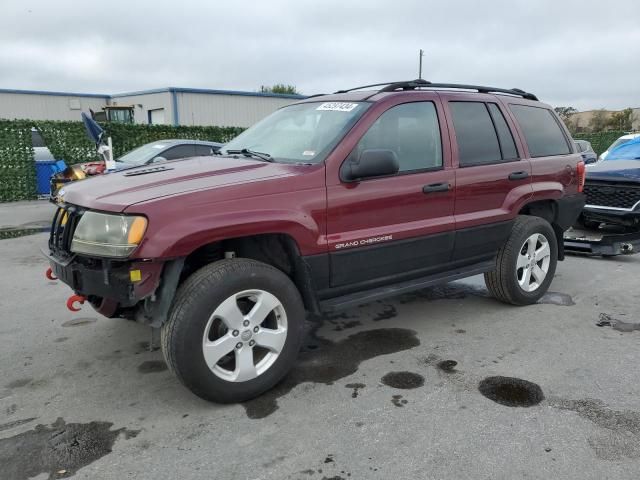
x,y
615,170
118,190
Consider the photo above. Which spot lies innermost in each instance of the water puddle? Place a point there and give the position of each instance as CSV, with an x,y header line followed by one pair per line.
x,y
511,392
330,361
403,380
58,450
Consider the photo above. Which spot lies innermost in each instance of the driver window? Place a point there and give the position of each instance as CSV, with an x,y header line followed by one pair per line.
x,y
412,131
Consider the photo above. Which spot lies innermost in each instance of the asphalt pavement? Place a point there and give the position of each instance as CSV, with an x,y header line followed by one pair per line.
x,y
444,383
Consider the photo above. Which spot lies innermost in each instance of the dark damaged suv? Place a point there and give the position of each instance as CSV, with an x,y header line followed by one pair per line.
x,y
331,202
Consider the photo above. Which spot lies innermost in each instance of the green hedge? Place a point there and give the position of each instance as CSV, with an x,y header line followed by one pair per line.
x,y
17,174
69,142
600,141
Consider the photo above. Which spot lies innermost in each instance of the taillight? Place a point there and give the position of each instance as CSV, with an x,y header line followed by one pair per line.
x,y
582,175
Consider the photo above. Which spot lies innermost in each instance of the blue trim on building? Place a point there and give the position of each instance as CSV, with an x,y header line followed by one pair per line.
x,y
174,104
54,94
207,91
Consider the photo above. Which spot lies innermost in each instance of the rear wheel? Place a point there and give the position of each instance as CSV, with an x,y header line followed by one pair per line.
x,y
526,263
234,330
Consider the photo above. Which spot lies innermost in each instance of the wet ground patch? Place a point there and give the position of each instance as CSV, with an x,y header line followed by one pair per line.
x,y
511,392
403,380
621,436
388,312
19,383
60,447
6,233
607,320
557,298
331,361
79,322
152,366
15,423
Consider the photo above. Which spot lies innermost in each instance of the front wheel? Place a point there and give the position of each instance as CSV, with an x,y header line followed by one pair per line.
x,y
525,264
234,330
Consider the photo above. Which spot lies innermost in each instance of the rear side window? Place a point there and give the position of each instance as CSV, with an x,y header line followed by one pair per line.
x,y
412,131
507,145
476,136
541,131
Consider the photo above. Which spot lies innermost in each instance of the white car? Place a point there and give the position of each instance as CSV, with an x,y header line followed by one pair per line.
x,y
618,142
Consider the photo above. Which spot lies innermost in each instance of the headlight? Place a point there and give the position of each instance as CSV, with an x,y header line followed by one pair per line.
x,y
106,235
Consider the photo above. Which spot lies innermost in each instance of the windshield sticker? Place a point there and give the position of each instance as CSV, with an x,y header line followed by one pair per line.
x,y
309,153
337,106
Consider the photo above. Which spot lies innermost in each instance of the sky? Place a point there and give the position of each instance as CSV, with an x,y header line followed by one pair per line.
x,y
583,54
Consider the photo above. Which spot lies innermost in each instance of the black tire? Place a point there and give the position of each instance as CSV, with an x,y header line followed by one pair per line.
x,y
193,305
503,281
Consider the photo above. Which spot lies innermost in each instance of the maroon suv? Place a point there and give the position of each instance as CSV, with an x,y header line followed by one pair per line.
x,y
331,202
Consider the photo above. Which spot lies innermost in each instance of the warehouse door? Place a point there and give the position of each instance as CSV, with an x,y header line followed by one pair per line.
x,y
156,117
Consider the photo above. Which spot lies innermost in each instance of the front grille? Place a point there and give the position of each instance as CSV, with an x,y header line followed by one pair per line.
x,y
64,223
612,195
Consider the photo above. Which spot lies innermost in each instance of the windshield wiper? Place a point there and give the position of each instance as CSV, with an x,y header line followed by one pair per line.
x,y
251,153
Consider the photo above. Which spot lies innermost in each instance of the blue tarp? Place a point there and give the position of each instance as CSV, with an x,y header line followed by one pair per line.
x,y
627,151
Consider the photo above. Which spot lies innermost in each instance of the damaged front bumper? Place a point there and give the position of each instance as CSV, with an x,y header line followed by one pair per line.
x,y
109,285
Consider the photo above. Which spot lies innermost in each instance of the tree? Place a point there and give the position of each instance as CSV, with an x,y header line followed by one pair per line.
x,y
280,88
566,113
599,121
621,120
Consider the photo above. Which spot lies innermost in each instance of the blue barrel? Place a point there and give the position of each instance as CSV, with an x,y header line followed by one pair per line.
x,y
44,170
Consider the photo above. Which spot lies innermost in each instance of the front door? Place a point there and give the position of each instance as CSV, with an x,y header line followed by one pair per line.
x,y
382,230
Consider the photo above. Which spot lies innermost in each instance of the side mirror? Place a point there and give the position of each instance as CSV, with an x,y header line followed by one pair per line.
x,y
371,163
590,160
157,159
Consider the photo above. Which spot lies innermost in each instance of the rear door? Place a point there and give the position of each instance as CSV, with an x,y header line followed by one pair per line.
x,y
381,230
553,161
492,174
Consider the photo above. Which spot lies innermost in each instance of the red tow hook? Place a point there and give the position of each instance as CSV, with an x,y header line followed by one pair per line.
x,y
49,274
73,299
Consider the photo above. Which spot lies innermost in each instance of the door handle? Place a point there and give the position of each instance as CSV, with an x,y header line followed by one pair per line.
x,y
518,175
436,187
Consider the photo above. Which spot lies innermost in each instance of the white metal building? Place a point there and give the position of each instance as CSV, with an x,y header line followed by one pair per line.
x,y
170,106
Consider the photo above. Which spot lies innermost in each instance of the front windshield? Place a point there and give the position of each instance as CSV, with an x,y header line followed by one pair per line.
x,y
143,154
302,133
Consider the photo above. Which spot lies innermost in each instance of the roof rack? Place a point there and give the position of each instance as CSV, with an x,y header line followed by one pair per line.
x,y
420,83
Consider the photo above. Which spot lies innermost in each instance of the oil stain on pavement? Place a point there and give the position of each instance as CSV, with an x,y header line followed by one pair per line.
x,y
60,447
403,380
511,392
448,366
330,361
607,320
79,322
356,388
